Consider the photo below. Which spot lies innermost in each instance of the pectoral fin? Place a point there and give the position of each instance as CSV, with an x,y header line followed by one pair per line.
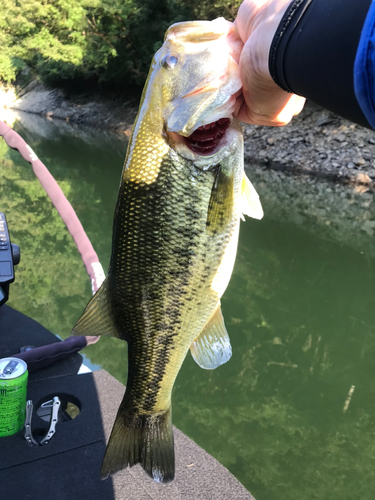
x,y
97,318
212,347
250,203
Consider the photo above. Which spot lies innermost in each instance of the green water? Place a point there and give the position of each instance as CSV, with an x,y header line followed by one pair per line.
x,y
292,414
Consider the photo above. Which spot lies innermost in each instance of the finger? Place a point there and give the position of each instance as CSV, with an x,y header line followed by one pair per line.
x,y
299,103
239,103
292,108
247,115
235,43
281,117
264,101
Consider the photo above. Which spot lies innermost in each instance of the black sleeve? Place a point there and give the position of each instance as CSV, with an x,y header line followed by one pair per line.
x,y
313,53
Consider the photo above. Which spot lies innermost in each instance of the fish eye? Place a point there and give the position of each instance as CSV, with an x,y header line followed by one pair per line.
x,y
169,61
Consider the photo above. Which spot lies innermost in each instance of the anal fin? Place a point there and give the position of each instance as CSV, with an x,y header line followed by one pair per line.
x,y
212,347
97,318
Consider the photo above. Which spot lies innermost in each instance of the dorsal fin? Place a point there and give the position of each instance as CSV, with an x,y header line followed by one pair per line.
x,y
212,346
250,203
97,318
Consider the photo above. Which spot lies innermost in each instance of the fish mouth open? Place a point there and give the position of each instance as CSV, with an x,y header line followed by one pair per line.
x,y
205,139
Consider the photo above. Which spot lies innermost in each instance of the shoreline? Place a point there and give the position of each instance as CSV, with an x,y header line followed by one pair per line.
x,y
91,109
316,143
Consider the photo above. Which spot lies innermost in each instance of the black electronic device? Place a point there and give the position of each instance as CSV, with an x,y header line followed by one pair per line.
x,y
9,257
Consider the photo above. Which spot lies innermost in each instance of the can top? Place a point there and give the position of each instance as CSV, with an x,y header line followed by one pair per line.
x,y
12,368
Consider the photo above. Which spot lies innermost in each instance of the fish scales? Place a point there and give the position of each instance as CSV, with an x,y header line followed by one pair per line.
x,y
175,235
167,266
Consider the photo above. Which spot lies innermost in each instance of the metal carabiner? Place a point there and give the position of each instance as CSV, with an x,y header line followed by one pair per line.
x,y
52,425
29,415
55,404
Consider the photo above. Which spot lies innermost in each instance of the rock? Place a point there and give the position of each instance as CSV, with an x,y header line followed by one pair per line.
x,y
363,178
86,109
359,161
340,137
323,118
31,86
369,227
315,142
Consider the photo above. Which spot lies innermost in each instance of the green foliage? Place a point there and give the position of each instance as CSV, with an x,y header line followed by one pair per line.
x,y
57,33
108,40
143,35
210,9
9,67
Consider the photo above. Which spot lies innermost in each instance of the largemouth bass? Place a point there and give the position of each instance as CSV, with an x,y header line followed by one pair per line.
x,y
176,223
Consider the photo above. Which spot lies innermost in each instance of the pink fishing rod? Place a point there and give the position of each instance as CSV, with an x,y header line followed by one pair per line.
x,y
62,205
74,226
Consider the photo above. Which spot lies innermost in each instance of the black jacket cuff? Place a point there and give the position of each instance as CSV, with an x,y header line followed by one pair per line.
x,y
313,52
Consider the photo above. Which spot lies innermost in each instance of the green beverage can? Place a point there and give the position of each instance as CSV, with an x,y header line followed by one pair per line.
x,y
13,386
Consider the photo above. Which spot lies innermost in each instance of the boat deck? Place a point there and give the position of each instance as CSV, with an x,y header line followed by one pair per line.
x,y
68,468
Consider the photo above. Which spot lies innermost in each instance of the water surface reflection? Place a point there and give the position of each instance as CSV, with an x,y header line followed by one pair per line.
x,y
292,414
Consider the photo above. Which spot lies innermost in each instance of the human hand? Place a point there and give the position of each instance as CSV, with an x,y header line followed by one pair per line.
x,y
262,101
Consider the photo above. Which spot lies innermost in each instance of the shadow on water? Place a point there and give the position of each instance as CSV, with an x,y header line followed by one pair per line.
x,y
292,414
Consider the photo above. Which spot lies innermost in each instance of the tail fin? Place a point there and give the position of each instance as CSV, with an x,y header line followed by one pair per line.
x,y
144,439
